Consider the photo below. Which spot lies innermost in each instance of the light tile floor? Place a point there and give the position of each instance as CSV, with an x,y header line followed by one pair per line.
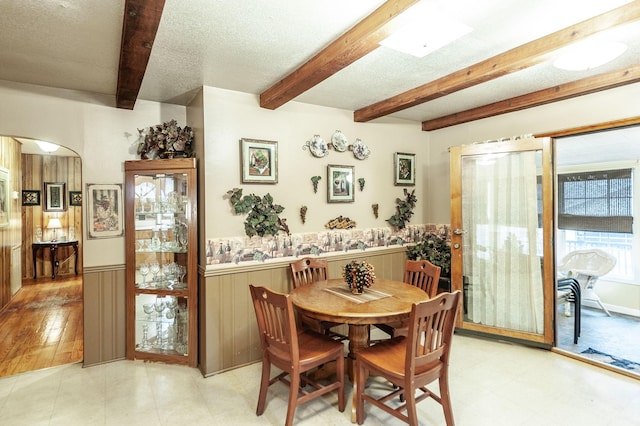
x,y
492,383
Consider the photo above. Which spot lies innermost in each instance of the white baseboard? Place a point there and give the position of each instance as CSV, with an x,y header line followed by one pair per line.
x,y
613,308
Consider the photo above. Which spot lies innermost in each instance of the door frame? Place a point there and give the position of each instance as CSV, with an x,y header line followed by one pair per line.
x,y
548,276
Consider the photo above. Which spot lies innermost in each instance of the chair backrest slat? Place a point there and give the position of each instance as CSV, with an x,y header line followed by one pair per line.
x,y
422,274
308,270
431,326
276,323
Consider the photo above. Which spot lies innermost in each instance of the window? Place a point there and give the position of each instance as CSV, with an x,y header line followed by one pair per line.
x,y
599,201
595,210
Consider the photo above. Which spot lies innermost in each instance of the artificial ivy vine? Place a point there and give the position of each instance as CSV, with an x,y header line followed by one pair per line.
x,y
404,210
262,214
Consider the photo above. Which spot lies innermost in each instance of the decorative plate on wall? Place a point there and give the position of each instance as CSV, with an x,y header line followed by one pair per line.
x,y
339,141
317,146
360,150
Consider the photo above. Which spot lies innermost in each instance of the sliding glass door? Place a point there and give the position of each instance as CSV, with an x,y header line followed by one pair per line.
x,y
502,246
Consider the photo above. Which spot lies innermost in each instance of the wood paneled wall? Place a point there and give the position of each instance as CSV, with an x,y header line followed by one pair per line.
x,y
10,234
104,314
38,169
228,331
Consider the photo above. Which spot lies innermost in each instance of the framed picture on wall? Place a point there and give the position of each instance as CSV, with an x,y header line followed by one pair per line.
x,y
340,181
404,169
259,161
54,196
30,197
4,197
105,211
75,198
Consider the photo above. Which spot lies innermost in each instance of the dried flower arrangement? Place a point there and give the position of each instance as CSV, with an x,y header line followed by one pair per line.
x,y
166,140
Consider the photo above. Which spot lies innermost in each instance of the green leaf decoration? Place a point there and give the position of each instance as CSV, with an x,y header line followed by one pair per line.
x,y
262,214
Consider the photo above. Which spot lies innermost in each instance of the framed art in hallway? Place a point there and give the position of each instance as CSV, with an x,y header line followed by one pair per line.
x,y
104,211
4,197
259,161
75,198
30,197
54,196
405,169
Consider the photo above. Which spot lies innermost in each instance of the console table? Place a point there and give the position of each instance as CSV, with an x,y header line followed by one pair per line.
x,y
53,248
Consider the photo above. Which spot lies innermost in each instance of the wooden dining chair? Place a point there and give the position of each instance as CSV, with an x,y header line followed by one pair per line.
x,y
306,271
411,362
292,351
422,274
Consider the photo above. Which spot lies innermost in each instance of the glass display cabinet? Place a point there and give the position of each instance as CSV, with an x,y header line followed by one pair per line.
x,y
161,255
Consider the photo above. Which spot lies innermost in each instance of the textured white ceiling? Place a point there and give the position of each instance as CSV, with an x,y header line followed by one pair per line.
x,y
249,45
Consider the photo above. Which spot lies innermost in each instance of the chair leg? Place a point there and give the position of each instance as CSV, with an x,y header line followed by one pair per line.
x,y
602,307
412,413
340,377
445,398
264,386
359,383
293,398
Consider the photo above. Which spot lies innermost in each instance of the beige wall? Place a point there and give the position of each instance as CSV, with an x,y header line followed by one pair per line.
x,y
615,104
230,116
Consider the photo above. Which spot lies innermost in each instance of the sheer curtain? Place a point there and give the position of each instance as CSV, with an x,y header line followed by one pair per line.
x,y
504,286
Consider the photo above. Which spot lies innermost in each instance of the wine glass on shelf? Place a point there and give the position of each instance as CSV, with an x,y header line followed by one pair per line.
x,y
145,338
158,342
159,307
155,269
148,308
182,271
167,272
144,271
164,239
171,303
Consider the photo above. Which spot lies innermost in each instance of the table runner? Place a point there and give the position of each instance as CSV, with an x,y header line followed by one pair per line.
x,y
368,295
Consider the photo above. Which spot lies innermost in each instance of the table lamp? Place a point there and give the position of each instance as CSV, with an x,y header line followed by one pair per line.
x,y
54,223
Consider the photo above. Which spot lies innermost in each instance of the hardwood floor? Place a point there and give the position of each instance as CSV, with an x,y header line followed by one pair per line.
x,y
42,326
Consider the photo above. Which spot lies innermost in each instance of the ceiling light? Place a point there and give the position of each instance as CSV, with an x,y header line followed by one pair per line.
x,y
589,55
425,33
47,146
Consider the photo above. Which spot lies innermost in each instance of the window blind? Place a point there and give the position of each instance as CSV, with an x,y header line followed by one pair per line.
x,y
598,201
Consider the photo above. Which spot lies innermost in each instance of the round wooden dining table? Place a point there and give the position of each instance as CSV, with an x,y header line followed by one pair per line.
x,y
385,301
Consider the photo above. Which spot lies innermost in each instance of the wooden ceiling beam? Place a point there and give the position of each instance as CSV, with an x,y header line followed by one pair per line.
x,y
609,80
360,40
139,28
517,59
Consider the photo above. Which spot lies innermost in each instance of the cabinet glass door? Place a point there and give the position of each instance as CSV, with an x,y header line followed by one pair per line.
x,y
161,247
161,263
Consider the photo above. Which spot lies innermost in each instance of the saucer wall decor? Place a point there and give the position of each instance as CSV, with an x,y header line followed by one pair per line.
x,y
339,141
317,146
360,150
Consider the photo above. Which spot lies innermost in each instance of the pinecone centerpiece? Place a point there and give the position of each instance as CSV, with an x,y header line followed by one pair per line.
x,y
358,275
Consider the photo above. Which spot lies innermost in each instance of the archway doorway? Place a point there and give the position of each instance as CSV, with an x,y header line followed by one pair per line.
x,y
43,321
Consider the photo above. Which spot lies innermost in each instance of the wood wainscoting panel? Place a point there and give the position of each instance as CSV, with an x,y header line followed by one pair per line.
x,y
104,314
